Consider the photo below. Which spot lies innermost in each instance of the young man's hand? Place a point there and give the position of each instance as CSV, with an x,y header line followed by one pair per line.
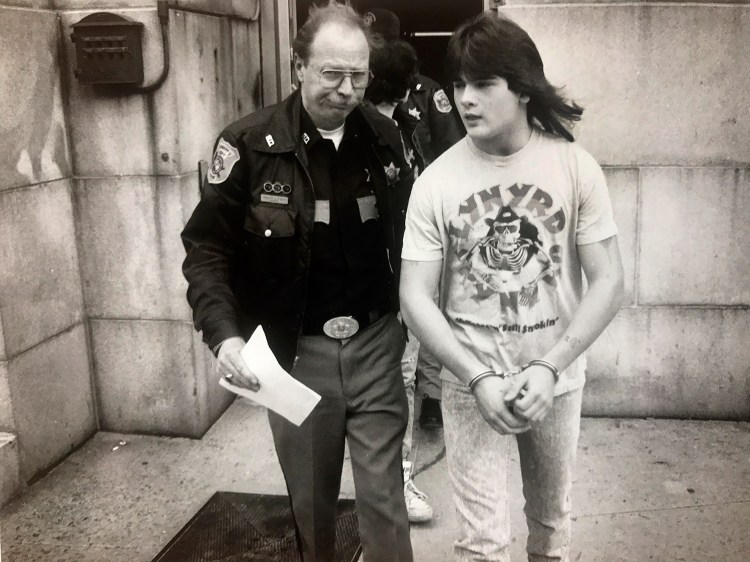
x,y
490,395
232,366
538,385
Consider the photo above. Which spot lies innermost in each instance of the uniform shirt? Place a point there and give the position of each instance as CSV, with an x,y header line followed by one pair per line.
x,y
349,268
438,124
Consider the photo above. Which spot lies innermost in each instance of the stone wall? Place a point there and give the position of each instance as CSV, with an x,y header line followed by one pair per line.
x,y
46,389
95,332
96,185
666,89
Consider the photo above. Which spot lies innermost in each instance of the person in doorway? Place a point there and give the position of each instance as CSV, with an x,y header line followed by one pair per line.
x,y
438,127
299,231
393,64
506,221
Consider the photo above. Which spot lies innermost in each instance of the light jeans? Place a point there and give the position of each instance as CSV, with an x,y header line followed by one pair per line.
x,y
408,371
478,466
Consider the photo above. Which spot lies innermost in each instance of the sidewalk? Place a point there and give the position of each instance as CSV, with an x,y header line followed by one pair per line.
x,y
646,490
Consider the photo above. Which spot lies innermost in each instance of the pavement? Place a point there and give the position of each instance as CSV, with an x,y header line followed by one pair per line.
x,y
646,490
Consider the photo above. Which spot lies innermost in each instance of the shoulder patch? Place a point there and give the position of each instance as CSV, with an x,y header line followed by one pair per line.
x,y
442,103
225,157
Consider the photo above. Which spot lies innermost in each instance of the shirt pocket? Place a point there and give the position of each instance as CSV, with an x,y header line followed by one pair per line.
x,y
270,239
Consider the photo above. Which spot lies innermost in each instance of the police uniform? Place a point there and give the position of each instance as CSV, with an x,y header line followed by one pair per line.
x,y
438,125
304,239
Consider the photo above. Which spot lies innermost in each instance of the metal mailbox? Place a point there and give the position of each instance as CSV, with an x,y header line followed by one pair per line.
x,y
108,49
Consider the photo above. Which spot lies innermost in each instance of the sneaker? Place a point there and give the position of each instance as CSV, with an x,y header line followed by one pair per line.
x,y
431,416
417,508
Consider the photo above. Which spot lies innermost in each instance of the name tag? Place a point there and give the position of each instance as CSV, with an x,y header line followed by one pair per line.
x,y
368,208
279,199
323,211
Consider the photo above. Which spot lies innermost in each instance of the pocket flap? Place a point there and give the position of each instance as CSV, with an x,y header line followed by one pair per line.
x,y
270,222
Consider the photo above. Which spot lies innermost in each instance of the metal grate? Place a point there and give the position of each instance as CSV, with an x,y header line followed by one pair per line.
x,y
241,527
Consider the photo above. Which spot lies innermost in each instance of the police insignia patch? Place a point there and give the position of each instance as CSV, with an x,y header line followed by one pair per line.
x,y
442,103
225,157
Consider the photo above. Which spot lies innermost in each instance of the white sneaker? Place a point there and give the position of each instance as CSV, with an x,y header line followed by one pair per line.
x,y
417,508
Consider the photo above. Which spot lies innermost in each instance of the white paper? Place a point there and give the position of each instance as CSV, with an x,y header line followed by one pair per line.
x,y
278,390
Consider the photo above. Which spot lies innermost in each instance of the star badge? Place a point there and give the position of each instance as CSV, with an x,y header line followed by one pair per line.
x,y
414,112
391,172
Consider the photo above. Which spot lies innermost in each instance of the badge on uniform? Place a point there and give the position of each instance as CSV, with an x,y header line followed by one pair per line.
x,y
276,192
391,172
225,157
414,112
442,103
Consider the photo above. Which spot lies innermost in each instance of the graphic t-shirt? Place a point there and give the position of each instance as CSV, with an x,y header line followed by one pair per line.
x,y
506,228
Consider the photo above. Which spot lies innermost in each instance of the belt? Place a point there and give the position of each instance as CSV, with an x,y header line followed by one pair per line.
x,y
346,325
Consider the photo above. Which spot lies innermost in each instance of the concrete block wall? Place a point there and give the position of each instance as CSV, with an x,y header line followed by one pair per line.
x,y
666,89
97,184
47,404
136,159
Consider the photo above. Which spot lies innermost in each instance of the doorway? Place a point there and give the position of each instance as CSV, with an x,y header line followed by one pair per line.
x,y
426,24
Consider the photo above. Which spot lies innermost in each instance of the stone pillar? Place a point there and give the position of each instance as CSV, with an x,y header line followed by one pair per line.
x,y
47,403
95,332
666,89
136,182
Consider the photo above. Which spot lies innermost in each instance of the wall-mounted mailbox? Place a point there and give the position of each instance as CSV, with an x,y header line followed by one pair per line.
x,y
108,49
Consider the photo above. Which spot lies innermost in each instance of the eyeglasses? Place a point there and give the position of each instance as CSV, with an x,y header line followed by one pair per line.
x,y
506,228
333,78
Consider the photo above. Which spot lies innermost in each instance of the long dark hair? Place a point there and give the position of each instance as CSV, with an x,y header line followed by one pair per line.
x,y
488,46
394,70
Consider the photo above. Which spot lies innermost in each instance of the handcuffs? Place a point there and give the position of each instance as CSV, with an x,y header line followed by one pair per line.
x,y
510,374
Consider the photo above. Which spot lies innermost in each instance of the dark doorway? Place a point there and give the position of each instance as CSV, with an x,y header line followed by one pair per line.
x,y
426,24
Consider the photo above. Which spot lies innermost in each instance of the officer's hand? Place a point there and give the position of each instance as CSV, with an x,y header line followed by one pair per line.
x,y
490,395
538,385
232,366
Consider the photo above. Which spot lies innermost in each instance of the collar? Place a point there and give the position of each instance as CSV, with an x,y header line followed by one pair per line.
x,y
285,128
310,133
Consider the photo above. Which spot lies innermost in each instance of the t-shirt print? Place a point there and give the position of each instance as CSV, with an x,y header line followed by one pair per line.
x,y
504,250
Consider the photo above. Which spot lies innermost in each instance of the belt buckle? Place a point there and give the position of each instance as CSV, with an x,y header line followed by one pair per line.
x,y
341,327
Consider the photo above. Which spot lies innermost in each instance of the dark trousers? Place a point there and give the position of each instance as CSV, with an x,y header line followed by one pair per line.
x,y
363,401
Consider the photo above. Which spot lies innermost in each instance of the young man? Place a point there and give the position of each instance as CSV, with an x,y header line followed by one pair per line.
x,y
299,230
506,221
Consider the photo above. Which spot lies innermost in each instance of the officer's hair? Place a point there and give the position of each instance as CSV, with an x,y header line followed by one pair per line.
x,y
333,12
488,46
394,68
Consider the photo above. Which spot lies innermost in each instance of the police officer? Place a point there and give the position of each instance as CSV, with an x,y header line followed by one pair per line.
x,y
299,230
439,127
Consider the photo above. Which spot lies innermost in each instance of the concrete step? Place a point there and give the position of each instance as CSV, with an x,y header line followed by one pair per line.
x,y
10,479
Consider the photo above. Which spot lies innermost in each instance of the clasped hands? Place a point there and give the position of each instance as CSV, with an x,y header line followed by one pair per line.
x,y
513,403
